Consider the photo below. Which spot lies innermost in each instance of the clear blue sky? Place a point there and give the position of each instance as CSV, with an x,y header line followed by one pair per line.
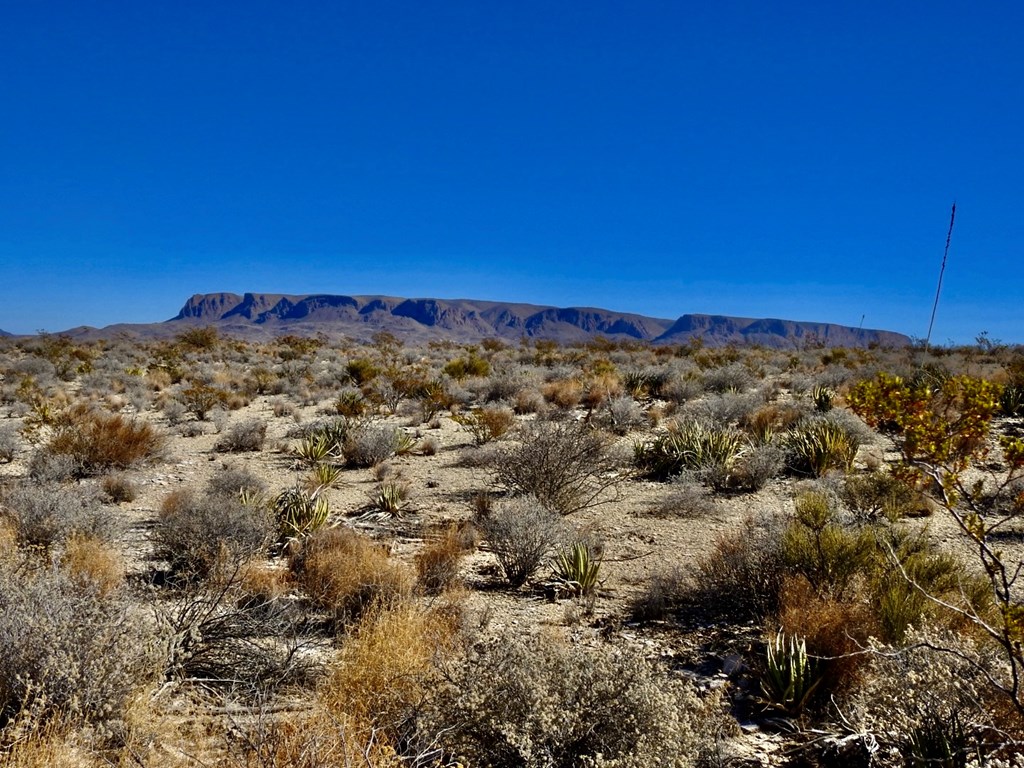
x,y
792,160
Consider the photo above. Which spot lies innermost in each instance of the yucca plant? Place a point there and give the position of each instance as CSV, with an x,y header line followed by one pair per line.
x,y
1011,400
324,475
390,497
818,446
823,398
790,678
314,449
299,512
577,568
687,446
404,443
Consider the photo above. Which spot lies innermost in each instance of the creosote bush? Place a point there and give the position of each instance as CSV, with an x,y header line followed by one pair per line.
x,y
565,465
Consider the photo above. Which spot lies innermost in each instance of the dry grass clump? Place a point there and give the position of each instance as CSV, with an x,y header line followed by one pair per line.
x,y
538,702
564,393
387,668
92,562
487,424
346,574
99,442
118,488
437,564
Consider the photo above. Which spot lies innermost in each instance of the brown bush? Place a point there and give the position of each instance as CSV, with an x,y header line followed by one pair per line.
x,y
99,441
117,488
346,574
836,633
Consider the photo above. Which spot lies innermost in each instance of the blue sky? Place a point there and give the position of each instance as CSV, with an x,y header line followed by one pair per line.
x,y
792,160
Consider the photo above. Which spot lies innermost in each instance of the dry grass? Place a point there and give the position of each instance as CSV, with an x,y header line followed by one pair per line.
x,y
388,667
346,574
437,565
93,562
565,393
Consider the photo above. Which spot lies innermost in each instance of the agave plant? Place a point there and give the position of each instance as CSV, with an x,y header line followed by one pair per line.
x,y
942,742
299,512
324,475
790,679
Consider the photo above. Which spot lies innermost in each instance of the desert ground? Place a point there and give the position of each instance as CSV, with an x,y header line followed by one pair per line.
x,y
302,552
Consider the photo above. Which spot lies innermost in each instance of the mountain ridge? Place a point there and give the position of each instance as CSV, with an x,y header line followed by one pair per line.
x,y
264,315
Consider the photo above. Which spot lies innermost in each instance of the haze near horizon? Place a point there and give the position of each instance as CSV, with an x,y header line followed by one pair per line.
x,y
796,161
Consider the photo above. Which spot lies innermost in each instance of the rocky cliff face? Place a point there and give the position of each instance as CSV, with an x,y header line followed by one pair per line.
x,y
263,314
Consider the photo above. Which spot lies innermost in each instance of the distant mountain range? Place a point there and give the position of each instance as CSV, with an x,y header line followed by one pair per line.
x,y
265,315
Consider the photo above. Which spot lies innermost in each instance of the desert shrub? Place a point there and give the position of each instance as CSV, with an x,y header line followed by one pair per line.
x,y
877,495
728,378
45,467
535,702
10,443
370,444
564,464
726,408
687,498
46,515
829,555
248,435
741,578
345,574
68,651
99,442
233,481
199,399
220,636
521,532
620,415
198,534
471,365
528,400
817,446
901,688
756,466
664,593
118,488
683,388
486,424
437,564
